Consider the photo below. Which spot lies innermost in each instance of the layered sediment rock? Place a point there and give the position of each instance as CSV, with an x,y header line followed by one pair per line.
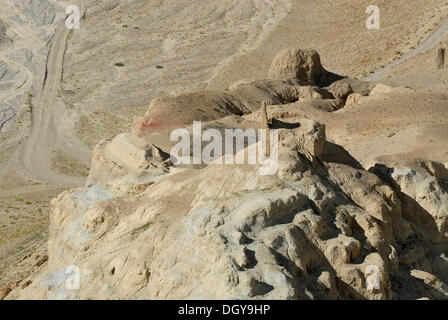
x,y
320,227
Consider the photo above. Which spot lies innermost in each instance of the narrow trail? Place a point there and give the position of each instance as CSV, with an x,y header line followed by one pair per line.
x,y
33,157
429,43
28,190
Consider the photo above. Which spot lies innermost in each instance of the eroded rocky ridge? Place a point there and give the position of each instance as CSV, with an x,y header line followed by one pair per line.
x,y
144,228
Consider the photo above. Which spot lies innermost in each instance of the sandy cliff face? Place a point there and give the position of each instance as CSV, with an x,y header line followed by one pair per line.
x,y
146,228
309,232
293,235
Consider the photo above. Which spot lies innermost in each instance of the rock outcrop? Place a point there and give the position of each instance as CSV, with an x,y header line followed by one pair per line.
x,y
319,227
377,92
303,65
245,98
286,236
314,230
295,75
424,195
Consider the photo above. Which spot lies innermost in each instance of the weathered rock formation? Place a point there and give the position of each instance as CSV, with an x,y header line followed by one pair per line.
x,y
319,228
294,75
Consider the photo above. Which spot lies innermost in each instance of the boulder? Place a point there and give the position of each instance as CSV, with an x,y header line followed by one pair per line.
x,y
125,154
311,138
424,199
381,89
340,89
355,98
313,92
303,65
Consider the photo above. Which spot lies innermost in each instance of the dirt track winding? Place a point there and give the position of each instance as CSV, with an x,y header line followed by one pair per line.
x,y
33,158
429,43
